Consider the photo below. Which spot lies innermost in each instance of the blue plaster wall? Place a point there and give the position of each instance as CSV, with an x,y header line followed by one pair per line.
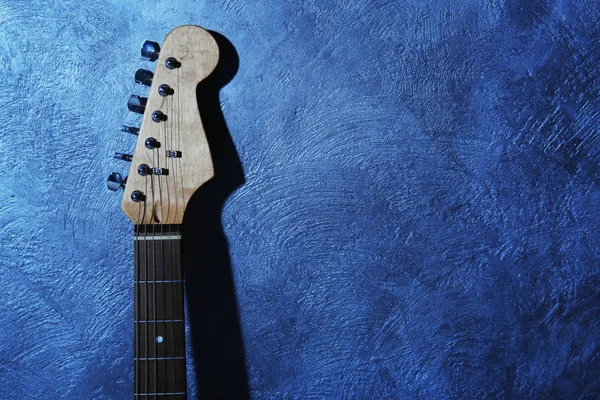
x,y
419,217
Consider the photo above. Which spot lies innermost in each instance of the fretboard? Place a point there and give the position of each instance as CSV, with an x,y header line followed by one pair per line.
x,y
159,342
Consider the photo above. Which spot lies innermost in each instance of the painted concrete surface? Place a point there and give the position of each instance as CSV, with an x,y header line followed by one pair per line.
x,y
419,214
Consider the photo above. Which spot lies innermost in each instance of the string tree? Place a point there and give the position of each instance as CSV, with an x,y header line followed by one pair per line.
x,y
173,154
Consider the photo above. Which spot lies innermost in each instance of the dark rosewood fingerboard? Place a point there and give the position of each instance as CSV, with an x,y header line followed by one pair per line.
x,y
159,342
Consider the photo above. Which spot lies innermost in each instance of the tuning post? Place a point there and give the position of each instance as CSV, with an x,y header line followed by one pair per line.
x,y
137,196
144,170
158,116
172,63
151,143
165,90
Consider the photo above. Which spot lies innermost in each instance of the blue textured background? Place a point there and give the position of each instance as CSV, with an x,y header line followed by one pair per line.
x,y
419,217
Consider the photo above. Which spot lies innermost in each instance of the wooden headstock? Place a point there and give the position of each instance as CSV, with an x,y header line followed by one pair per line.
x,y
172,158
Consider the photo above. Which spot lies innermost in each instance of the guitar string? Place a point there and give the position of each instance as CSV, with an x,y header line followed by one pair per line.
x,y
156,162
167,220
136,314
179,142
147,346
173,261
161,221
167,134
155,265
177,171
164,286
176,299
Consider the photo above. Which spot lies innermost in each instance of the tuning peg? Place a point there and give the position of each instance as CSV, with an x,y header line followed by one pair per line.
x,y
123,156
137,104
150,50
144,77
115,182
130,129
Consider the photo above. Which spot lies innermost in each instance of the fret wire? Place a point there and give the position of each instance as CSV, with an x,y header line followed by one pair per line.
x,y
160,321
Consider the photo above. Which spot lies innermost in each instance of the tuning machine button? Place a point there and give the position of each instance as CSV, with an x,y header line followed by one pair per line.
x,y
123,156
150,50
130,129
115,181
137,104
144,77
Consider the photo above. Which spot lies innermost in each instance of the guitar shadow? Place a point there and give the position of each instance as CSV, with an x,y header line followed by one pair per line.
x,y
211,300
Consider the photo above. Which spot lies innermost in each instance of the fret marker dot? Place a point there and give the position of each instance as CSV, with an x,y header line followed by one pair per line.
x,y
159,339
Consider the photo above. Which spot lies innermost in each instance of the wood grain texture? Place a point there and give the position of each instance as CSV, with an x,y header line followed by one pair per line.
x,y
166,196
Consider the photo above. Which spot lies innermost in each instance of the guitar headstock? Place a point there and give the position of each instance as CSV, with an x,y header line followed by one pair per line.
x,y
171,158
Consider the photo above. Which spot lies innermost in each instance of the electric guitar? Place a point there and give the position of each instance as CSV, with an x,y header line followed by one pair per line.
x,y
170,162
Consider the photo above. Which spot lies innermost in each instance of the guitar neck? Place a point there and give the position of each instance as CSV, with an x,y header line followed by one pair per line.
x,y
159,342
171,161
